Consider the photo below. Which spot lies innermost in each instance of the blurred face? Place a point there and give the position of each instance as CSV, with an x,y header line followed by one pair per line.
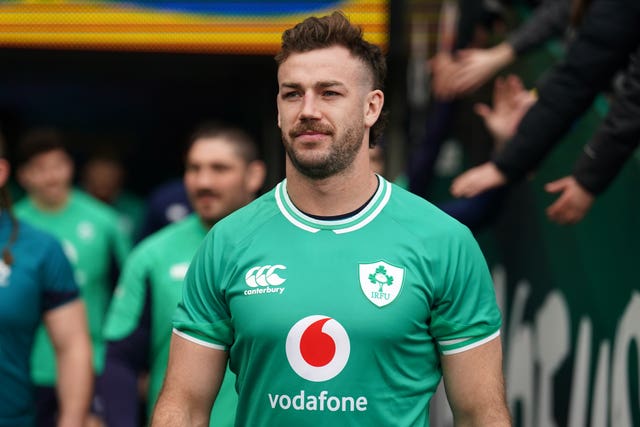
x,y
4,172
217,179
325,110
103,180
47,177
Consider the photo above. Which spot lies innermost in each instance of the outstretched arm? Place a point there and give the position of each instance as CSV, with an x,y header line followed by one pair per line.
x,y
606,38
604,156
472,68
510,101
616,139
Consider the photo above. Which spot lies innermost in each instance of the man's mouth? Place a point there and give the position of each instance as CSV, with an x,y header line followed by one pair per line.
x,y
205,195
310,131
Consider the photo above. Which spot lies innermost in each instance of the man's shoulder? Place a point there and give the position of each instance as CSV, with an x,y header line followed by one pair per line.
x,y
23,206
98,210
36,242
34,234
250,217
420,215
174,232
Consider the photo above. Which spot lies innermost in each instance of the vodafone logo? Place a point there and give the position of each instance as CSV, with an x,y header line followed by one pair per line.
x,y
318,348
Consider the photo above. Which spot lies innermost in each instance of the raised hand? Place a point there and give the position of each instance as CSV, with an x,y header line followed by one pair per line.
x,y
442,65
477,180
572,205
510,102
474,67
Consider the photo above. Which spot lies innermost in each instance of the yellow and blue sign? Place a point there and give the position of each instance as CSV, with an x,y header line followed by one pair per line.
x,y
227,27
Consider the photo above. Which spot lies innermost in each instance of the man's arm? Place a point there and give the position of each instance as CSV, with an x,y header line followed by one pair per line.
x,y
475,386
194,375
608,35
127,335
69,333
616,139
604,156
126,359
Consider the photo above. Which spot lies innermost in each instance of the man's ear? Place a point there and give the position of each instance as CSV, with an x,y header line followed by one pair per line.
x,y
373,107
5,169
256,174
278,107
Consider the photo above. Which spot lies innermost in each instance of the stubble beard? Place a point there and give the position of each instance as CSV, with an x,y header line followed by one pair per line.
x,y
340,157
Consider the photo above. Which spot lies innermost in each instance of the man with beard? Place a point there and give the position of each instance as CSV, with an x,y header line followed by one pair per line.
x,y
222,174
338,298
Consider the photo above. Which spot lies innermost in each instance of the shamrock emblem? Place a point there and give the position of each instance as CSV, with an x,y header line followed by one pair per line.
x,y
380,277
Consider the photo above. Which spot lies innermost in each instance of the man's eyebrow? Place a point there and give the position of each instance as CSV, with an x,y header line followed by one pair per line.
x,y
329,83
291,85
321,85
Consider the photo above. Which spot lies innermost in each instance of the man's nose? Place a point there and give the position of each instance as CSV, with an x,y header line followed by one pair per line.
x,y
205,178
309,107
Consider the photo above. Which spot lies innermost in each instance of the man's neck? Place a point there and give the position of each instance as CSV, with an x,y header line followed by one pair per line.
x,y
50,205
332,196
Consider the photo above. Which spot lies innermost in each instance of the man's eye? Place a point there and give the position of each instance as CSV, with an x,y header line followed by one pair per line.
x,y
330,93
289,95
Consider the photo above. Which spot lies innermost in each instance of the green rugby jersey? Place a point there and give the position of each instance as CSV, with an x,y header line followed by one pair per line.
x,y
158,265
338,322
131,210
92,239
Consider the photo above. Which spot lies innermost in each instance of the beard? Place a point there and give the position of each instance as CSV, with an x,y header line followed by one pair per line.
x,y
338,158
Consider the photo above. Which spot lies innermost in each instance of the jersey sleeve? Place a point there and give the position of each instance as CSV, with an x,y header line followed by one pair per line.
x,y
127,304
121,244
57,277
202,315
465,313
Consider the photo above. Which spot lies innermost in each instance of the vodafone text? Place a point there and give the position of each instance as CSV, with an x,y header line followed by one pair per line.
x,y
321,402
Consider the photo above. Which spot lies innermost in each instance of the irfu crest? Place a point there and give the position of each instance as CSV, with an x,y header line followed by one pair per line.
x,y
381,282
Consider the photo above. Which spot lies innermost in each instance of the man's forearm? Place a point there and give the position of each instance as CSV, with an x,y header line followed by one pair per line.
x,y
170,413
75,383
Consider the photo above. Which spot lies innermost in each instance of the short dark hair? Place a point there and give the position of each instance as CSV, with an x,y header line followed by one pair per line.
x,y
244,144
336,30
38,141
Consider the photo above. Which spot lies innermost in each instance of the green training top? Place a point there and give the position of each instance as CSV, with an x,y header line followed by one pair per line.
x,y
95,246
38,280
158,265
338,322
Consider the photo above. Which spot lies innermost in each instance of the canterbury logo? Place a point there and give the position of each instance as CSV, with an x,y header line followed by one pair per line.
x,y
264,276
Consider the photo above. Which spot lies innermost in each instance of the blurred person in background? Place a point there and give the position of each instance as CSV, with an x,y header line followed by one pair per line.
x,y
37,286
222,174
166,204
104,176
91,238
